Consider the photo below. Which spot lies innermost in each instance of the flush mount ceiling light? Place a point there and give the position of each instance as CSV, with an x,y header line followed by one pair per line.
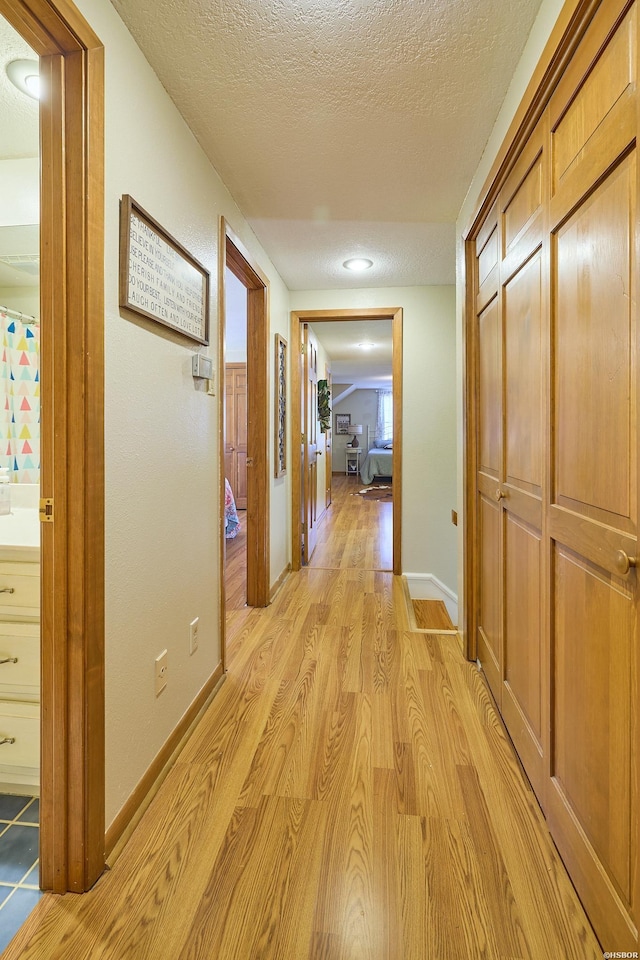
x,y
367,345
357,264
25,75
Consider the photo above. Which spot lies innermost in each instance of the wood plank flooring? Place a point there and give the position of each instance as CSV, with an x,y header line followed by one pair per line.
x,y
354,532
432,615
350,794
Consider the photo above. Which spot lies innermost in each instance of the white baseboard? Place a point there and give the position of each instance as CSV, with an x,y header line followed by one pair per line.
x,y
424,586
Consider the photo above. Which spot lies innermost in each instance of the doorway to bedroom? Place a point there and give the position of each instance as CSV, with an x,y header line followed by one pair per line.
x,y
244,474
347,405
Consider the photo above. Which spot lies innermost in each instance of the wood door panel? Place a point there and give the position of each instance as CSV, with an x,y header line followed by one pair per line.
x,y
488,256
490,419
236,427
523,374
611,75
593,720
524,686
489,618
525,202
595,394
613,138
522,668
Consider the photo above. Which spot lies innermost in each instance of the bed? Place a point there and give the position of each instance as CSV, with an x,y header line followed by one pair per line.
x,y
378,462
232,523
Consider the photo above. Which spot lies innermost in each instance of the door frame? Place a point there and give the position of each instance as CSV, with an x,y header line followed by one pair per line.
x,y
298,318
72,832
233,254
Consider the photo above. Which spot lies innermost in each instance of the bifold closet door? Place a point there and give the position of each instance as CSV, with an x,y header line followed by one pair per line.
x,y
593,794
525,336
512,332
490,457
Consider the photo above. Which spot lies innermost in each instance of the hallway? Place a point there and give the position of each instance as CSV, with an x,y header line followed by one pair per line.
x,y
354,532
350,793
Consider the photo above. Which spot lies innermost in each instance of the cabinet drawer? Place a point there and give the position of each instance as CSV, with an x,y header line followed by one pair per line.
x,y
21,723
19,589
21,642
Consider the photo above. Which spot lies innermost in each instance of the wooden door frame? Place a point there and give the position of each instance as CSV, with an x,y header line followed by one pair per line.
x,y
298,318
72,835
233,254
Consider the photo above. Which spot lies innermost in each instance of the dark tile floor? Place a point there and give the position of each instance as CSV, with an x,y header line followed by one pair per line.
x,y
19,892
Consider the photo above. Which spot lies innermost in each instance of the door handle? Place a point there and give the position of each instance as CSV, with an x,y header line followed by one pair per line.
x,y
249,461
500,495
623,562
319,453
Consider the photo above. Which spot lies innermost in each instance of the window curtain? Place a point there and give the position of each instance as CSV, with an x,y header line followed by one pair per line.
x,y
384,420
20,399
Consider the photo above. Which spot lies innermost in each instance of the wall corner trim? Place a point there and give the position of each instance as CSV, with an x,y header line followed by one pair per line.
x,y
425,586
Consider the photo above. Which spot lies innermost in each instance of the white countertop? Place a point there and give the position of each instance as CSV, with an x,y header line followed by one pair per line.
x,y
20,534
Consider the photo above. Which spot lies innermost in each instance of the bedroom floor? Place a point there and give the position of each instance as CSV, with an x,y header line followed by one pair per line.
x,y
355,532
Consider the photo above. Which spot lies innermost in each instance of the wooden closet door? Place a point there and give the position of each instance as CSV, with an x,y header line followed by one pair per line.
x,y
524,686
235,439
593,798
490,457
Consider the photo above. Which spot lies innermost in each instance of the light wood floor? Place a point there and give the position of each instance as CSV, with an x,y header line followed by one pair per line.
x,y
354,532
350,794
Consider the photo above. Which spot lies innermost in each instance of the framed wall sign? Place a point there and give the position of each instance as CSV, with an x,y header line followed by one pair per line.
x,y
159,278
343,421
281,407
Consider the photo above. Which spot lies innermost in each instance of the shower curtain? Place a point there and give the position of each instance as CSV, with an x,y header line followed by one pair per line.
x,y
20,398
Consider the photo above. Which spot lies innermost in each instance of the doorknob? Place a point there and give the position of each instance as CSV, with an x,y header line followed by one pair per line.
x,y
622,562
500,495
319,452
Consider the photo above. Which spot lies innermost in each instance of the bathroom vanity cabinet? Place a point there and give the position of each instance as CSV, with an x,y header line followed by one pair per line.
x,y
19,652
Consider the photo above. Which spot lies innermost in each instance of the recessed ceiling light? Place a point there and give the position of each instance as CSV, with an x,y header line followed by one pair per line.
x,y
367,345
25,75
357,264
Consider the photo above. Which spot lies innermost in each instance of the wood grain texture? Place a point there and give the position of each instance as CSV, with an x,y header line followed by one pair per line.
x,y
350,793
354,532
432,615
72,362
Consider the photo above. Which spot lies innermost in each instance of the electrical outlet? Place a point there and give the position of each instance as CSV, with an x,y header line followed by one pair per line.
x,y
161,672
193,635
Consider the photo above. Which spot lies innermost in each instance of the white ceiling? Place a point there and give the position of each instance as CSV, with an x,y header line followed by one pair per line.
x,y
350,364
341,127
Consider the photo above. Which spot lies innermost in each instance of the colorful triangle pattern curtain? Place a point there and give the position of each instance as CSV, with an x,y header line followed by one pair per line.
x,y
20,399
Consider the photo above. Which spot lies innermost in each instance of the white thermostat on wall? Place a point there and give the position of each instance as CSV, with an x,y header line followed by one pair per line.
x,y
202,367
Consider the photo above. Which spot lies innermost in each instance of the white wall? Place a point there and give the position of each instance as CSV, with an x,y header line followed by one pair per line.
x,y
163,518
540,33
24,299
429,422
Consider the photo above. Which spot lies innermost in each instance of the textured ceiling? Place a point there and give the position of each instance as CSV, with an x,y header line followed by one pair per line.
x,y
350,364
341,127
18,114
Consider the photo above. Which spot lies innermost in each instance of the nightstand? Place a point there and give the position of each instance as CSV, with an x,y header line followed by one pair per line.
x,y
352,458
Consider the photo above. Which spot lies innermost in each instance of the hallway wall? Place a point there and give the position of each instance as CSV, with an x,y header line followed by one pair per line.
x,y
161,432
429,417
